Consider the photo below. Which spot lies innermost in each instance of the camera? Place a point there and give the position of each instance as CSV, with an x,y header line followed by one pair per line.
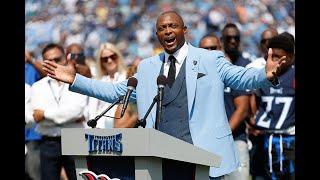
x,y
79,58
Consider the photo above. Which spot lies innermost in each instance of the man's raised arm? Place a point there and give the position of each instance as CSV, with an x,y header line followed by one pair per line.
x,y
241,78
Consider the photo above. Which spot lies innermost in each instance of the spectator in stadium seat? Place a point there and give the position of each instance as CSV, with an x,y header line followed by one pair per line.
x,y
55,107
196,93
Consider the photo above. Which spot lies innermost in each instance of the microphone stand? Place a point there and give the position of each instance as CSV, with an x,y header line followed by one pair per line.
x,y
142,122
159,107
93,122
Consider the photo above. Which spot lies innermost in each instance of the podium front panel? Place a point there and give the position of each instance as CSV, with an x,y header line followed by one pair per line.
x,y
134,153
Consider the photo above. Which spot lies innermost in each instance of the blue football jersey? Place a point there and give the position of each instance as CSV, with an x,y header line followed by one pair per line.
x,y
277,104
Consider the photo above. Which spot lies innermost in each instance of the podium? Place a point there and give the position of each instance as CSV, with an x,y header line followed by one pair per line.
x,y
145,147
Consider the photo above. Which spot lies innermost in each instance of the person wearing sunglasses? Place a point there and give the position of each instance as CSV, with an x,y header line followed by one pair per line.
x,y
110,68
266,35
76,53
231,43
210,42
55,107
237,102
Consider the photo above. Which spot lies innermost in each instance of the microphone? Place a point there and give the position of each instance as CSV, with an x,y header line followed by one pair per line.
x,y
132,84
93,122
161,82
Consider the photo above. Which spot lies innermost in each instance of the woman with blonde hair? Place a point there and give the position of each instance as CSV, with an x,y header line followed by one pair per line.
x,y
110,62
110,68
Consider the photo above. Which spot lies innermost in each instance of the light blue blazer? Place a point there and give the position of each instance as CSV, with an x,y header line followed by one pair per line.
x,y
208,122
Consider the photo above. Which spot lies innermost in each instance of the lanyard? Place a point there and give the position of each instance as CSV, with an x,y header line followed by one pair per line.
x,y
57,99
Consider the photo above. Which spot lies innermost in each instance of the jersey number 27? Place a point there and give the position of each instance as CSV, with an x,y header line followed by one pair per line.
x,y
265,122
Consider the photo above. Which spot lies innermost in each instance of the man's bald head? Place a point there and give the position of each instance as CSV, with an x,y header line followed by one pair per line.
x,y
210,42
179,18
74,48
269,33
265,36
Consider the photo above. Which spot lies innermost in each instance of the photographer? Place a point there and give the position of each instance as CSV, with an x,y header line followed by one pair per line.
x,y
76,53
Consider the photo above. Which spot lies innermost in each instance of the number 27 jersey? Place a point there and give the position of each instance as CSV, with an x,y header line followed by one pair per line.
x,y
277,104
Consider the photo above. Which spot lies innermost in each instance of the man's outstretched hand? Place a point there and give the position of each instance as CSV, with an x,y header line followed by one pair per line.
x,y
65,73
273,68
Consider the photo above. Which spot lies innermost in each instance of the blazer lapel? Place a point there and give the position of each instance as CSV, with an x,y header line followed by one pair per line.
x,y
156,64
192,66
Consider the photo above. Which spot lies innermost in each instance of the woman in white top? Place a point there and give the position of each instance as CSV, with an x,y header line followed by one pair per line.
x,y
110,68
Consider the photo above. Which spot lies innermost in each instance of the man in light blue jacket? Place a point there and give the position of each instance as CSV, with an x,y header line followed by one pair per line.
x,y
196,93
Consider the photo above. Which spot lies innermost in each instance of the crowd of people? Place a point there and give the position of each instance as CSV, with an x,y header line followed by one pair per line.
x,y
129,23
106,40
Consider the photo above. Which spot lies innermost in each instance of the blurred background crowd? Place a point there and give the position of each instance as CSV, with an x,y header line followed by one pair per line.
x,y
130,23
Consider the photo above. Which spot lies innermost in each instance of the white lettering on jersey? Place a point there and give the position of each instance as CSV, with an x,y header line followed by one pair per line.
x,y
263,121
276,91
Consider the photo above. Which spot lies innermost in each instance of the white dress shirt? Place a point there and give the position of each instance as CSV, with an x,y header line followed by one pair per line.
x,y
62,108
96,106
28,111
258,63
180,56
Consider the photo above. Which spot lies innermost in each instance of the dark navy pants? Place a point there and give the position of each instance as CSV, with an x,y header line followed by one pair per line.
x,y
281,156
51,160
172,170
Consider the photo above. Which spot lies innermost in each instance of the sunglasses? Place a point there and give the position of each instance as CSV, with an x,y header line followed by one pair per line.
x,y
211,47
106,58
229,38
77,56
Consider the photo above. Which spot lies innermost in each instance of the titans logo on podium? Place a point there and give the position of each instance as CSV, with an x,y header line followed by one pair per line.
x,y
104,144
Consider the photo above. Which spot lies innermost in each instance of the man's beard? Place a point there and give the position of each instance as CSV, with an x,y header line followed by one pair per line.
x,y
233,53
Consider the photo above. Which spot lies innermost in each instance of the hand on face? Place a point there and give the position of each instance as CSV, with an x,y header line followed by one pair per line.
x,y
65,73
274,67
